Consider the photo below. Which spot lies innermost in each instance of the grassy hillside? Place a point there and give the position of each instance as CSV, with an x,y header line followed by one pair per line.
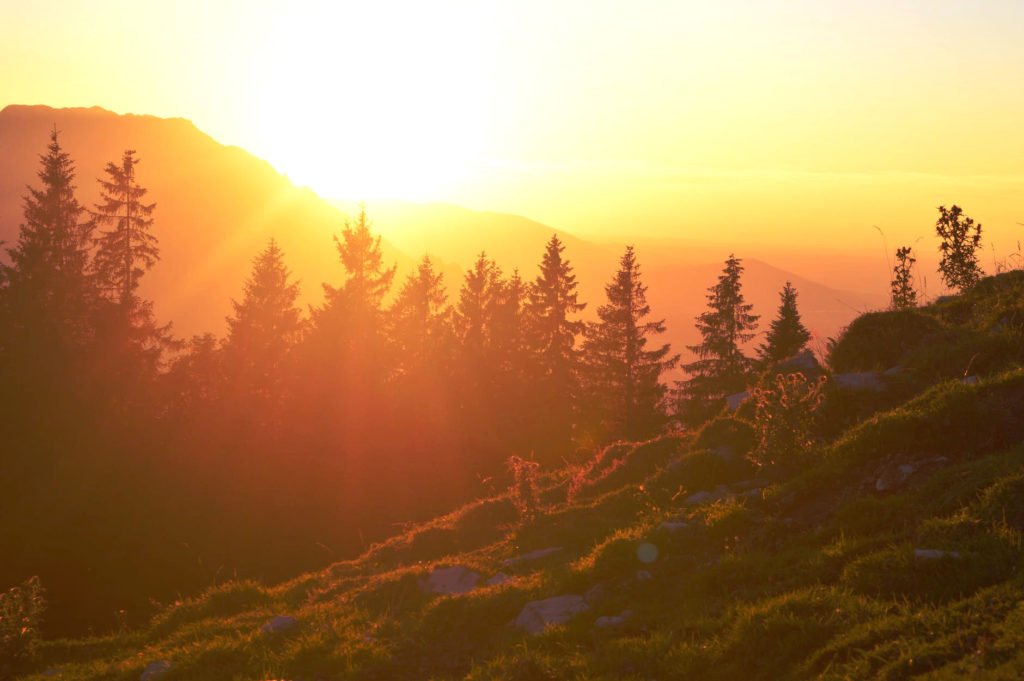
x,y
895,554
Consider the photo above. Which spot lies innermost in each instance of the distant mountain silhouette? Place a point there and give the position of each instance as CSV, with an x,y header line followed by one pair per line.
x,y
677,272
217,205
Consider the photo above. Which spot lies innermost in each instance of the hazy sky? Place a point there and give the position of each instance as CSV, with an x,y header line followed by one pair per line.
x,y
806,121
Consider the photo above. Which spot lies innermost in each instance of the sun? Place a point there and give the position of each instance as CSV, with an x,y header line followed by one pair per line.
x,y
380,100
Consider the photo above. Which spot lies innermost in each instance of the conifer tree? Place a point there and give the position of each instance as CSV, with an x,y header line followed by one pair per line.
x,y
721,368
348,345
625,376
264,327
552,306
479,299
901,290
421,321
128,249
787,335
46,281
509,328
961,238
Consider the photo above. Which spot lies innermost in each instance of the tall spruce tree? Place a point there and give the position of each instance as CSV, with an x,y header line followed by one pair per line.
x,y
902,294
421,322
127,249
787,335
479,299
263,328
47,287
553,304
351,321
624,375
721,368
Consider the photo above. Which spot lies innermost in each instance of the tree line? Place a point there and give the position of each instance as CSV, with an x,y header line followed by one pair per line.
x,y
305,433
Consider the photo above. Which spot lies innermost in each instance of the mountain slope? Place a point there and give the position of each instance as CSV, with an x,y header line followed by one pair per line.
x,y
895,553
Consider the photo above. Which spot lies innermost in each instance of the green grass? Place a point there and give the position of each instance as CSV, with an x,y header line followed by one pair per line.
x,y
816,577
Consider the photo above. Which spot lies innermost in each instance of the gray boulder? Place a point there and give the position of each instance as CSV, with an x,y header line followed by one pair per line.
x,y
154,670
278,624
536,616
451,580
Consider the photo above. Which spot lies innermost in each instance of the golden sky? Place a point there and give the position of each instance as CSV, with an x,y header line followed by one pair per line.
x,y
802,122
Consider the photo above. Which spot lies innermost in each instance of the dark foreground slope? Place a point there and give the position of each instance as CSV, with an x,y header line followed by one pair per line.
x,y
895,555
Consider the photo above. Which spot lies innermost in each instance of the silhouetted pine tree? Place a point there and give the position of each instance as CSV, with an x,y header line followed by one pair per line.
x,y
553,302
624,376
349,330
901,290
128,249
787,335
421,323
48,300
48,295
961,238
124,252
263,329
479,299
721,368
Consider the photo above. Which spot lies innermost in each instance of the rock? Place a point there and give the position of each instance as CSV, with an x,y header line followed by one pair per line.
x,y
744,485
893,371
608,621
279,624
643,576
705,496
673,525
536,616
804,361
895,477
934,554
498,579
451,580
736,399
865,381
154,670
533,555
970,380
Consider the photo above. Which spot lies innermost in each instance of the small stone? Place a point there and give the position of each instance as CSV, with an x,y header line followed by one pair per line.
x,y
970,380
643,576
736,399
451,580
674,525
498,579
279,624
533,555
536,616
608,621
154,670
934,554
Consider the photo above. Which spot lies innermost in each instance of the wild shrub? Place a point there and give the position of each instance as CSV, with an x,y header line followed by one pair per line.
x,y
524,492
21,612
784,418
